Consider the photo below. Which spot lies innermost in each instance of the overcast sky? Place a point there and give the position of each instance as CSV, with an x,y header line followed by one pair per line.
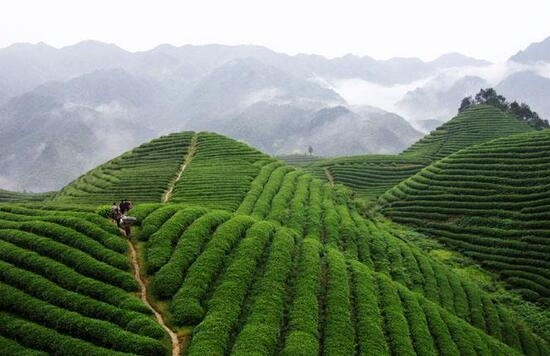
x,y
488,29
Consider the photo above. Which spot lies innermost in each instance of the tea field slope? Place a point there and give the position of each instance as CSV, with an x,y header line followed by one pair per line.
x,y
298,160
66,287
490,201
142,174
7,196
372,175
186,164
219,173
271,261
278,275
478,124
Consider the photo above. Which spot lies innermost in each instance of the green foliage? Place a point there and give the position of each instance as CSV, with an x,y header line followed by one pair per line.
x,y
154,221
370,176
319,277
259,335
395,321
97,331
263,204
475,125
370,328
211,336
168,279
490,97
74,258
303,323
67,278
256,188
141,175
186,305
20,197
339,330
42,288
489,202
220,173
161,243
104,210
34,335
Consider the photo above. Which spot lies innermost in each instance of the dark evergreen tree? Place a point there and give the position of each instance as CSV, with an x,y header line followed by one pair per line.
x,y
465,104
489,96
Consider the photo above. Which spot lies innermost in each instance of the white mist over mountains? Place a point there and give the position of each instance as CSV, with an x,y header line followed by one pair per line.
x,y
64,111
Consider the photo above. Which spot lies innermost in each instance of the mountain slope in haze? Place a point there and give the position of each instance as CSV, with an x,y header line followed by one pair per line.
x,y
341,131
535,52
64,128
53,133
528,87
251,93
437,100
243,82
24,66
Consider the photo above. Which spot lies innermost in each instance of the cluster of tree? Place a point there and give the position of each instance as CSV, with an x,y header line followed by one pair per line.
x,y
491,97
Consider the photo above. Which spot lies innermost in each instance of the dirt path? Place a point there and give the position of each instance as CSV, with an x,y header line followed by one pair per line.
x,y
188,157
329,177
143,297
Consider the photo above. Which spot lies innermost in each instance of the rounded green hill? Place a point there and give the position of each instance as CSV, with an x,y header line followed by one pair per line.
x,y
492,202
480,123
241,254
372,175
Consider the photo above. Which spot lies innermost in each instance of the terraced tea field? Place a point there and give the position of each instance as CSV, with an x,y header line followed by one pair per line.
x,y
183,167
67,288
473,126
246,255
202,181
231,276
371,175
143,174
17,197
491,202
298,160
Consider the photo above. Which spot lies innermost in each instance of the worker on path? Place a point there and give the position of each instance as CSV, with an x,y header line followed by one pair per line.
x,y
116,214
127,222
125,205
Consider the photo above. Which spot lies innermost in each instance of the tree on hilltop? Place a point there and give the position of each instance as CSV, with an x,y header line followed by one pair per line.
x,y
491,97
465,104
522,111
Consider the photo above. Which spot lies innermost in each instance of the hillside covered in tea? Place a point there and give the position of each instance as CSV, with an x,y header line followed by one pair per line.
x,y
235,252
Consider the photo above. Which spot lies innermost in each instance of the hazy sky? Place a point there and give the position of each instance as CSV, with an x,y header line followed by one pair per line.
x,y
489,29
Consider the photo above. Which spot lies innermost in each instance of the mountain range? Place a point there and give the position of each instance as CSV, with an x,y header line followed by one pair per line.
x,y
63,111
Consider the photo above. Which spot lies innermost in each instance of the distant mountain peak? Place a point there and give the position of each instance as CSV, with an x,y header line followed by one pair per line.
x,y
455,59
535,52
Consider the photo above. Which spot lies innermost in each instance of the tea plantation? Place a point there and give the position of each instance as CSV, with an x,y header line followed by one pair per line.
x,y
372,175
239,253
17,197
490,201
475,125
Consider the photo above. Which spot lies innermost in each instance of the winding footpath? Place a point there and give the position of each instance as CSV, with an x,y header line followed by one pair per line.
x,y
188,157
329,177
143,296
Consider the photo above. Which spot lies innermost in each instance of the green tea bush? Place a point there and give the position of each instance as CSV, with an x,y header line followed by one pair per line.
x,y
212,335
168,279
